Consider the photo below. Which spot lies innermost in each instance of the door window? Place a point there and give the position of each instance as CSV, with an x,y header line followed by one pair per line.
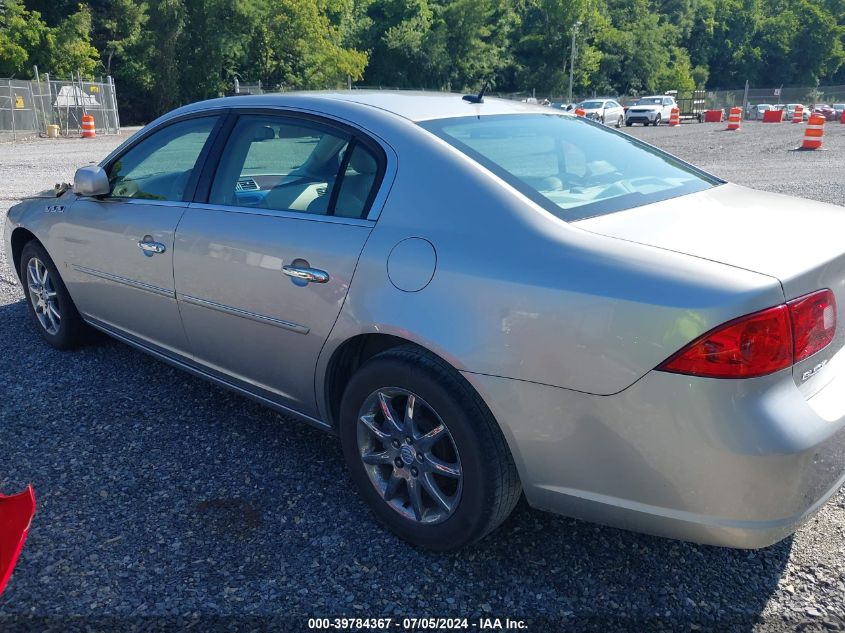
x,y
159,167
279,163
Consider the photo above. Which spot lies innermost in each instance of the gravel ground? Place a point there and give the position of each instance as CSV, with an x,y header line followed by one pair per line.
x,y
165,501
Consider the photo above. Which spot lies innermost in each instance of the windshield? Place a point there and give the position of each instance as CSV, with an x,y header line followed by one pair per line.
x,y
574,168
650,101
592,105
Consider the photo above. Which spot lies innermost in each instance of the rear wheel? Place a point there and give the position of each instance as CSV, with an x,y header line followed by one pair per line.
x,y
620,121
50,306
425,452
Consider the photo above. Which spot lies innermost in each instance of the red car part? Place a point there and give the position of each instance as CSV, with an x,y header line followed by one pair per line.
x,y
16,514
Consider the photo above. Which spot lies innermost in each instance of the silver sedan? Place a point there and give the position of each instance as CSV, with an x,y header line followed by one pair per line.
x,y
480,298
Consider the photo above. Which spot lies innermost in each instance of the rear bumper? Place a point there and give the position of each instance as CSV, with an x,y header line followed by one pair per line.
x,y
731,463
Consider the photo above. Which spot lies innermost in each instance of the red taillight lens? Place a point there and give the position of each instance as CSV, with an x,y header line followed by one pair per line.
x,y
813,322
753,345
761,343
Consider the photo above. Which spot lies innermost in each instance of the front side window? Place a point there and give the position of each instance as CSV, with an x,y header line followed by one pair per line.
x,y
158,167
572,167
285,164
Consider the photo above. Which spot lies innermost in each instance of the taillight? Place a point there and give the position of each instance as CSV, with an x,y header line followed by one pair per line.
x,y
813,322
753,345
760,343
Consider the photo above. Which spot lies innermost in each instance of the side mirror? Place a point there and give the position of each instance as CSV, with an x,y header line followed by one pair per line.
x,y
91,181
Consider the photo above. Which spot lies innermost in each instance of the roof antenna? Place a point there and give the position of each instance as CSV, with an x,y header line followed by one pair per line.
x,y
479,98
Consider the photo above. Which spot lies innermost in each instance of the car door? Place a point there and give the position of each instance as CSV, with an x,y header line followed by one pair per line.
x,y
119,248
262,267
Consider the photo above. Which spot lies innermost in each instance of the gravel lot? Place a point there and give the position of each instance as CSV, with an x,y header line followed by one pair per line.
x,y
165,501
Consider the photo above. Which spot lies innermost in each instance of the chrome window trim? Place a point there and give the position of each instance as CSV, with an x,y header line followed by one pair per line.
x,y
275,213
144,201
126,281
252,316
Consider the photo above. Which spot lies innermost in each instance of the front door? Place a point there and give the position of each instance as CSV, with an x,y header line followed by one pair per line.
x,y
118,250
263,268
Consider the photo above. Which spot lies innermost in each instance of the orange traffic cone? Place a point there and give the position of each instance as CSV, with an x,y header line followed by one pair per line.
x,y
814,132
675,117
580,112
798,114
89,130
735,119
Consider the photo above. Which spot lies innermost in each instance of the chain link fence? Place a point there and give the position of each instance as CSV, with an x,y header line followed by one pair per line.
x,y
29,108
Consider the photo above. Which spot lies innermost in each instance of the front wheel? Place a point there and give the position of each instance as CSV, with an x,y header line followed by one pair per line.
x,y
50,306
657,121
619,122
424,451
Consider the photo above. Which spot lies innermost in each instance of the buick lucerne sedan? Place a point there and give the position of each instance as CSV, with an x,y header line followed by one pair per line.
x,y
480,299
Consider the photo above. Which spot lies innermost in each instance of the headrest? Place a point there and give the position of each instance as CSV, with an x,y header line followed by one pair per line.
x,y
362,161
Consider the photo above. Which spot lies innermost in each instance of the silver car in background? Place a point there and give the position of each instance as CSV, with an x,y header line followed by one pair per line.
x,y
480,299
606,111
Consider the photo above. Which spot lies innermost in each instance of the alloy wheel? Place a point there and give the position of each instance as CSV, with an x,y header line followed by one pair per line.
x,y
43,296
409,455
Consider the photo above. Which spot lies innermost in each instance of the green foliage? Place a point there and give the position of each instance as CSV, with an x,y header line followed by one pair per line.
x,y
21,32
163,53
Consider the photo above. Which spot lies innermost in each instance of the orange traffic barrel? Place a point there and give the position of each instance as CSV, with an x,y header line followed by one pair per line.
x,y
89,130
842,120
580,112
814,132
675,117
798,114
735,119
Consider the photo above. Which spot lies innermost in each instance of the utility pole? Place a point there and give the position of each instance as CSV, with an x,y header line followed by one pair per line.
x,y
572,58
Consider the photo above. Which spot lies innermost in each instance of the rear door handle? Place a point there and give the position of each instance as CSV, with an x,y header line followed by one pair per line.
x,y
311,275
151,248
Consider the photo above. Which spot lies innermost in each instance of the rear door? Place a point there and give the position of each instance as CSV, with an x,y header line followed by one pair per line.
x,y
119,248
264,263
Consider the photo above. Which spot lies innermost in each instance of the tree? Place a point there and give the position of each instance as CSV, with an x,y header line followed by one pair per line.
x,y
21,33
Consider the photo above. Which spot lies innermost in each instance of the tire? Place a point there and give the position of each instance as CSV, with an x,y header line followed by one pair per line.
x,y
68,331
619,122
628,124
656,121
488,487
646,124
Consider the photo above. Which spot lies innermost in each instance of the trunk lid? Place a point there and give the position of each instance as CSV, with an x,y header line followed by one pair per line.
x,y
800,242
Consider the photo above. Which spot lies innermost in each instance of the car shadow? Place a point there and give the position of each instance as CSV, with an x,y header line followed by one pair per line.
x,y
161,494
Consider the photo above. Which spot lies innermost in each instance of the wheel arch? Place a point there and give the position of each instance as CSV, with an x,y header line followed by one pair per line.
x,y
353,352
20,238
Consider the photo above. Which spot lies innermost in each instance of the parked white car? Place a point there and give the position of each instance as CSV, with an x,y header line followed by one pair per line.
x,y
651,110
605,111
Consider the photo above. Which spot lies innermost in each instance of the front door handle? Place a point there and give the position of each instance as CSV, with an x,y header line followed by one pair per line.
x,y
312,275
150,248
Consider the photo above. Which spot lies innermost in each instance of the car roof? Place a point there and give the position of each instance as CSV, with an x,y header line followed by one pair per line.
x,y
412,105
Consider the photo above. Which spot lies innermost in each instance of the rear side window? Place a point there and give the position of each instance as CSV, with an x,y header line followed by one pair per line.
x,y
158,167
287,164
573,168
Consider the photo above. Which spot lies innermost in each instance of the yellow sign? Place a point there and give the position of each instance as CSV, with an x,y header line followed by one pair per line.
x,y
19,104
93,88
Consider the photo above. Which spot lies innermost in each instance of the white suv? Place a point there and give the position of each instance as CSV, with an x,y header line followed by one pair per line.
x,y
650,110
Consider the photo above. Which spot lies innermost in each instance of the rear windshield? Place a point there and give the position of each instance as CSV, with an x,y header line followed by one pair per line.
x,y
574,168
